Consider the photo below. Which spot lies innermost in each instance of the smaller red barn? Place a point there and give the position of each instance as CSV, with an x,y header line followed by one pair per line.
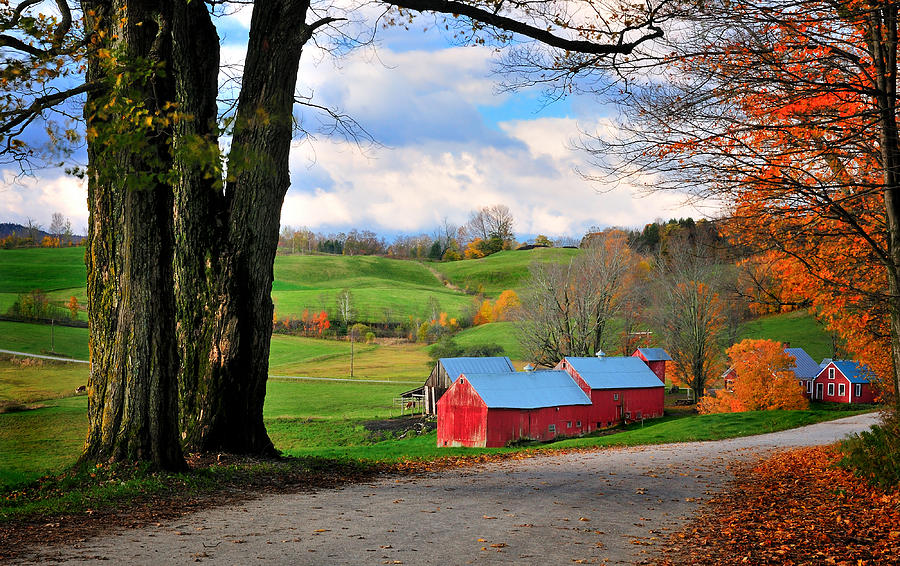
x,y
621,388
656,359
494,409
843,381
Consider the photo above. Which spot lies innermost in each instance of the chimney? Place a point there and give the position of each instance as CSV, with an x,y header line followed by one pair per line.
x,y
528,367
599,354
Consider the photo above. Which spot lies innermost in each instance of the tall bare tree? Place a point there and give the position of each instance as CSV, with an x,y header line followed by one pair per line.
x,y
567,309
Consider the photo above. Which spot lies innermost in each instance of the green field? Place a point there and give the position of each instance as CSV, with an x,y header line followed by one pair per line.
x,y
35,339
502,334
503,270
798,328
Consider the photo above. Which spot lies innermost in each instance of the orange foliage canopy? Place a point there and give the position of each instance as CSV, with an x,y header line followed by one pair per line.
x,y
506,303
764,380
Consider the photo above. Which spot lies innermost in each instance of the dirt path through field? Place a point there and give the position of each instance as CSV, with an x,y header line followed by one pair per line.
x,y
609,506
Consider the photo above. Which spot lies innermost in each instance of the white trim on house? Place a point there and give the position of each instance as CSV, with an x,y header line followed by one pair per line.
x,y
842,389
831,373
831,390
857,387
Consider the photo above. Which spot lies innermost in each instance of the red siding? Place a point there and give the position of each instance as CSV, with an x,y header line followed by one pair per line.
x,y
505,425
609,406
658,367
461,416
849,396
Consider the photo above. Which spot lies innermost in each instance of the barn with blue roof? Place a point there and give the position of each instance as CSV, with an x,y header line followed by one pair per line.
x,y
620,388
843,381
447,370
494,409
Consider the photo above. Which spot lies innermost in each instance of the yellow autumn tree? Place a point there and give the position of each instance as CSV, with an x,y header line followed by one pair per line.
x,y
485,314
506,303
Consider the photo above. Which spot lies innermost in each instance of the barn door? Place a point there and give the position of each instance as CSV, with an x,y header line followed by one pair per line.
x,y
818,396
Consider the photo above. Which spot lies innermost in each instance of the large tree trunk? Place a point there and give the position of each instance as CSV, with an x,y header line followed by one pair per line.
x,y
132,404
882,37
200,234
224,410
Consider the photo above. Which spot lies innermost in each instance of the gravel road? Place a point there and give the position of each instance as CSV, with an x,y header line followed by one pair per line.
x,y
608,506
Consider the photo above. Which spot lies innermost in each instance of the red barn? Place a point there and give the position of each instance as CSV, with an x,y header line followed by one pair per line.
x,y
620,388
843,381
656,359
494,409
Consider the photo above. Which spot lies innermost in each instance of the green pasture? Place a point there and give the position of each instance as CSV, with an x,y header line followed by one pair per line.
x,y
387,302
35,339
497,272
28,380
501,333
799,328
48,269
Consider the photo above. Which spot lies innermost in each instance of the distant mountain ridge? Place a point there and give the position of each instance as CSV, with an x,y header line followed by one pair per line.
x,y
11,229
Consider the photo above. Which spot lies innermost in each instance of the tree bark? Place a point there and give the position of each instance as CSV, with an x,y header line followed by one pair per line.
x,y
883,45
132,403
200,237
226,363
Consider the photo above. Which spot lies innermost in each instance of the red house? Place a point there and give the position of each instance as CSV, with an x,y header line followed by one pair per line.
x,y
494,409
620,388
842,381
656,359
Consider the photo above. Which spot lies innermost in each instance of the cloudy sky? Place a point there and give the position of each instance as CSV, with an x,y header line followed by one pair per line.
x,y
449,142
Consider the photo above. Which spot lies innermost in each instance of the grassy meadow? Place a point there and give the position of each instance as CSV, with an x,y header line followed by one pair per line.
x,y
318,417
493,274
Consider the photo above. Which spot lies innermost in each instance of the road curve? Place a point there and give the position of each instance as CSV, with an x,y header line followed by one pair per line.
x,y
608,506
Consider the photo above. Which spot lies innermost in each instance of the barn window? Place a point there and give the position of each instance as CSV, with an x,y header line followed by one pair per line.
x,y
841,390
858,388
809,386
568,424
578,424
639,415
831,389
830,374
627,414
615,396
552,428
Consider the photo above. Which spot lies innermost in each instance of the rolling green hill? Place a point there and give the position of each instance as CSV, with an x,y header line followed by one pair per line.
x,y
798,328
503,270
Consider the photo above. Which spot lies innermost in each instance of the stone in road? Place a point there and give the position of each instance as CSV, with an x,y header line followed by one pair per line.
x,y
606,506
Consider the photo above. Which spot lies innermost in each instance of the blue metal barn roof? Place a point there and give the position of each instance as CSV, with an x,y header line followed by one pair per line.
x,y
854,371
614,372
655,354
804,366
456,366
527,389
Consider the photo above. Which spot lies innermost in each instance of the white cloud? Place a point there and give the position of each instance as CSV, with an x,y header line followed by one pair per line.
x,y
39,198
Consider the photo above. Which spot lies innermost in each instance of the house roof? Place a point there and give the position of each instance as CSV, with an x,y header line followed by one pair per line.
x,y
804,366
527,389
855,372
654,354
614,372
456,366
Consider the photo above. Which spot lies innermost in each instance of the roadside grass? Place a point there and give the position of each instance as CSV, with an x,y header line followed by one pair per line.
x,y
799,328
41,441
35,339
503,270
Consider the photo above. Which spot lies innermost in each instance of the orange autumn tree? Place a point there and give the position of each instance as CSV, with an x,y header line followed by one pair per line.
x,y
764,380
787,112
507,302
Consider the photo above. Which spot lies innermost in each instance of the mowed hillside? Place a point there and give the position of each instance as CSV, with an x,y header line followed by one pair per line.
x,y
493,274
59,272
